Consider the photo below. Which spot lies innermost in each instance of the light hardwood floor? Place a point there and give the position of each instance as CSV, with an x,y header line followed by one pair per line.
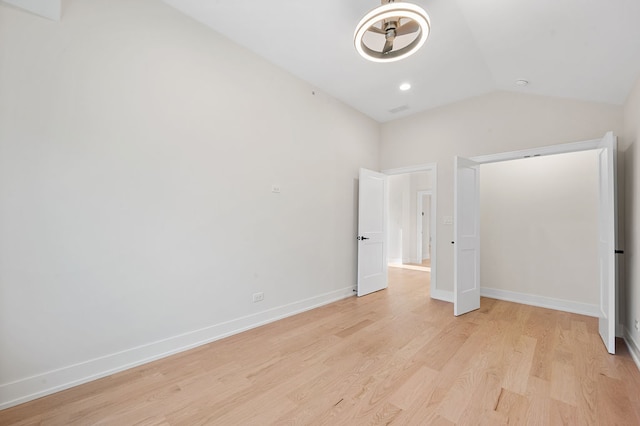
x,y
393,357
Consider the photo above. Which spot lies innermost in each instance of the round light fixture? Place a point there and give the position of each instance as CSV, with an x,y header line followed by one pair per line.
x,y
391,20
522,82
405,86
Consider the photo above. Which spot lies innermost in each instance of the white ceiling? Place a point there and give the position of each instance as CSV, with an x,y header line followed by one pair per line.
x,y
581,49
50,9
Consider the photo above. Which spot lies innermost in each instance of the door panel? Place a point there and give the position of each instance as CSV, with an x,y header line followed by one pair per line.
x,y
372,232
466,287
607,232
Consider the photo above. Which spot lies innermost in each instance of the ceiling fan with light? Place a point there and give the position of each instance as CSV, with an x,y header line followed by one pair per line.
x,y
392,31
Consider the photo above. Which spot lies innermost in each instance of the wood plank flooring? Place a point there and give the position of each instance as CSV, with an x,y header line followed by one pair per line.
x,y
393,357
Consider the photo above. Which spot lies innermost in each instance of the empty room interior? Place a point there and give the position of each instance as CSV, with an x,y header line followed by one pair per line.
x,y
337,212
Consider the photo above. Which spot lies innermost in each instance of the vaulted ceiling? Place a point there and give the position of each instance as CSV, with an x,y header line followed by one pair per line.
x,y
579,49
50,9
582,49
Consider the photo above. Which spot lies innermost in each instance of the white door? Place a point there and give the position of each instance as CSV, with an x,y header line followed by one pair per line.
x,y
372,232
466,282
607,240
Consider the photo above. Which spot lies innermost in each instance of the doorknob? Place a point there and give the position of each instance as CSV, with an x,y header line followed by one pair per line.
x,y
362,238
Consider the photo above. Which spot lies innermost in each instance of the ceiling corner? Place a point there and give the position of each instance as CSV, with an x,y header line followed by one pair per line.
x,y
50,9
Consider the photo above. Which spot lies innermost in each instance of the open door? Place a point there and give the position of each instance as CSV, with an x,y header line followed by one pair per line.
x,y
466,282
372,232
607,231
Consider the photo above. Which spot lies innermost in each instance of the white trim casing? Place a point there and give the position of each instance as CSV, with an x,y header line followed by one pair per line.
x,y
411,169
634,347
537,152
541,301
33,387
527,299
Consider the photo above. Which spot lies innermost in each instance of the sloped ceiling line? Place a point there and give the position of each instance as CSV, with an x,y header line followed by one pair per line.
x,y
577,49
50,9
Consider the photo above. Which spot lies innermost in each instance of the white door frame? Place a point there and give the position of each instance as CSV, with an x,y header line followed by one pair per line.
x,y
538,152
433,168
592,144
419,220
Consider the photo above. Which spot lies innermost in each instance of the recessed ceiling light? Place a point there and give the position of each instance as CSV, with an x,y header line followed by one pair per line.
x,y
522,82
405,86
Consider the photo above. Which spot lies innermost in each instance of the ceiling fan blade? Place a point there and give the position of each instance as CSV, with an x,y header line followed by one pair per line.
x,y
376,30
408,28
388,45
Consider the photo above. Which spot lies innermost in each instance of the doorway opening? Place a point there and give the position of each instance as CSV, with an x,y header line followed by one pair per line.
x,y
423,228
411,220
539,231
467,227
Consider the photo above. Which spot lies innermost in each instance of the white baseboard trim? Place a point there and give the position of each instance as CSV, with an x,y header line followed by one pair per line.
x,y
541,301
634,347
33,387
444,295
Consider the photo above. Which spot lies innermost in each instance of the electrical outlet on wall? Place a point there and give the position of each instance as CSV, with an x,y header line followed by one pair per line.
x,y
258,297
636,324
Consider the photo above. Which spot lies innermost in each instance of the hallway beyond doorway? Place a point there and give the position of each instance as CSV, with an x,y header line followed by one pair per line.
x,y
425,266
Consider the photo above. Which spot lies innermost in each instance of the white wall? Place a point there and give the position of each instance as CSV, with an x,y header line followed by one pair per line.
x,y
492,123
630,297
539,227
420,181
398,232
403,189
137,153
